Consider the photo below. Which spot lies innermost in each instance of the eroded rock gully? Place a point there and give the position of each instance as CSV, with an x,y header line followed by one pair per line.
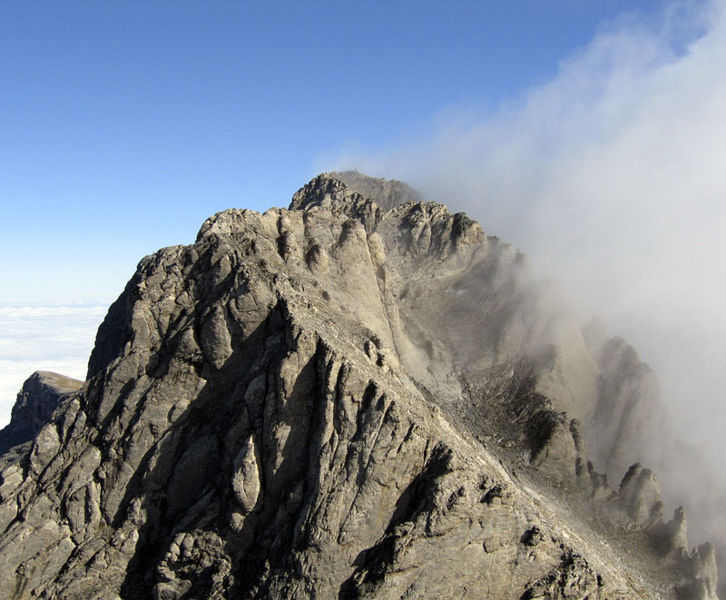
x,y
363,396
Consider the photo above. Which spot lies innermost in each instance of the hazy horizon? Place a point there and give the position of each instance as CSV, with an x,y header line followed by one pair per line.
x,y
56,338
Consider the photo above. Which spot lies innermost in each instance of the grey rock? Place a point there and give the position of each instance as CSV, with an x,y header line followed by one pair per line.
x,y
572,578
361,396
671,538
700,575
628,414
388,193
640,496
36,402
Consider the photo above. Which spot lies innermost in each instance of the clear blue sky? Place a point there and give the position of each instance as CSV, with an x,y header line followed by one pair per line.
x,y
123,125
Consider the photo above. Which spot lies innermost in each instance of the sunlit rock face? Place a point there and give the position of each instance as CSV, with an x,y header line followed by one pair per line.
x,y
361,396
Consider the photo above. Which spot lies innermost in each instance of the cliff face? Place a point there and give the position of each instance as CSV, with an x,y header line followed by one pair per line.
x,y
40,396
361,396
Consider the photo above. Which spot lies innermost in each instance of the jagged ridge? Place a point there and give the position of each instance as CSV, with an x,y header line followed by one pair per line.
x,y
361,396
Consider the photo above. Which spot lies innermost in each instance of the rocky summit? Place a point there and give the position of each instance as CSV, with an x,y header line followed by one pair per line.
x,y
360,396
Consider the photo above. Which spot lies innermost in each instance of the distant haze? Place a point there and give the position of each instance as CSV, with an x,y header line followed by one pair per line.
x,y
611,177
55,338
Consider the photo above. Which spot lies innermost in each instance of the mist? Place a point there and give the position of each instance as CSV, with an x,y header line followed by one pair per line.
x,y
611,178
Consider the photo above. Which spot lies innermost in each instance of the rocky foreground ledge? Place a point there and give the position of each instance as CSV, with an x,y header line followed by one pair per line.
x,y
361,396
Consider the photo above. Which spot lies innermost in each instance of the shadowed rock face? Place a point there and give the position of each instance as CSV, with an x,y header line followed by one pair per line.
x,y
361,396
40,396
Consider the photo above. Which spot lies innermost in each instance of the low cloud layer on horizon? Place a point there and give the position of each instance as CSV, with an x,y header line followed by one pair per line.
x,y
43,338
610,177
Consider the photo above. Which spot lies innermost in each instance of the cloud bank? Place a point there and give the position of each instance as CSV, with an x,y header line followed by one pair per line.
x,y
47,338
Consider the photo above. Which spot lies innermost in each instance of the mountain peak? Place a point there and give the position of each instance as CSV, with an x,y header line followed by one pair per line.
x,y
362,396
341,185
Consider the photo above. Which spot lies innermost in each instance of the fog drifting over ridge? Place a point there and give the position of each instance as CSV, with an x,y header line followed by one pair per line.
x,y
610,177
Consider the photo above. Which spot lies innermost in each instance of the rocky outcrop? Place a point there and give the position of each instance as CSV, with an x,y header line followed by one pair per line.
x,y
640,496
387,193
628,416
671,538
699,576
40,396
356,397
572,578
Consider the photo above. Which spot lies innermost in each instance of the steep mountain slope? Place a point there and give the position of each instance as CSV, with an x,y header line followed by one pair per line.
x,y
360,396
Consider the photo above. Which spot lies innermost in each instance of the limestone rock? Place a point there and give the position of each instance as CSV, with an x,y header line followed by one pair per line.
x,y
363,395
640,496
700,575
572,578
628,414
671,538
34,407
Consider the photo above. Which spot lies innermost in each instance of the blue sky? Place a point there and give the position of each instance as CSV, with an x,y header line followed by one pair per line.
x,y
123,125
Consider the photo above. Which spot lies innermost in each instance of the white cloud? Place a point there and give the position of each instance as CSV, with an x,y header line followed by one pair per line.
x,y
47,338
613,177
